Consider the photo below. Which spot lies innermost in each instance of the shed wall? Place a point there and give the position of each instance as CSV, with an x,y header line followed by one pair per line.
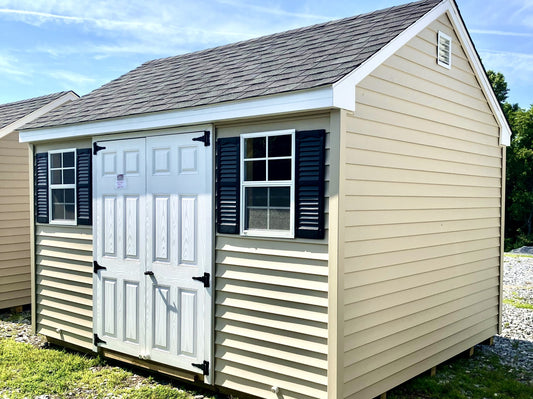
x,y
422,221
271,317
63,276
14,223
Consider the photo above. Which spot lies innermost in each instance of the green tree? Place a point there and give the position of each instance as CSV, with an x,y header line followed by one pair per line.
x,y
519,179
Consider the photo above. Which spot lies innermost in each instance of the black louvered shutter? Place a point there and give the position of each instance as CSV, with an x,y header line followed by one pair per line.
x,y
309,184
228,185
40,179
84,186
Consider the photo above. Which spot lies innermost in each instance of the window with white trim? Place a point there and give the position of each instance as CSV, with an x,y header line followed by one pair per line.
x,y
444,50
62,174
267,183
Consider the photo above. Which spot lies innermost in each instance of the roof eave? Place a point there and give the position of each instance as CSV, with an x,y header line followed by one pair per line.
x,y
319,98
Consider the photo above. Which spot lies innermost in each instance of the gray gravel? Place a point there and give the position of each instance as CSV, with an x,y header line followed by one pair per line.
x,y
514,345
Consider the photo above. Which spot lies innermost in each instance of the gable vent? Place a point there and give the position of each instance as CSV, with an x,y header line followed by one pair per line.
x,y
444,50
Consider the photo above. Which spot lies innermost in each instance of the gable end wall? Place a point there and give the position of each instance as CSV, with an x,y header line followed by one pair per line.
x,y
422,200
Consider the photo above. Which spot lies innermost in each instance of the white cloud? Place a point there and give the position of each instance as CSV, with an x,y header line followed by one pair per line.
x,y
501,33
274,10
71,77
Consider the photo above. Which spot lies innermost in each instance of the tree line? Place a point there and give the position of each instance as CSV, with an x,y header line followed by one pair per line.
x,y
519,177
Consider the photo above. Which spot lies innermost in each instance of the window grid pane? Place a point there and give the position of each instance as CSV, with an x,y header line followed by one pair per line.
x,y
62,186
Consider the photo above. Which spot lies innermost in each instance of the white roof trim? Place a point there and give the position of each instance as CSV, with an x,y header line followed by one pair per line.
x,y
69,96
305,100
348,83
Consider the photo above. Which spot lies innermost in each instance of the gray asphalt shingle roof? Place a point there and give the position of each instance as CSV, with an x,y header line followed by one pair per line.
x,y
299,59
12,112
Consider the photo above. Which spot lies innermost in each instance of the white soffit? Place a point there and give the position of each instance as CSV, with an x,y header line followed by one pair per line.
x,y
344,89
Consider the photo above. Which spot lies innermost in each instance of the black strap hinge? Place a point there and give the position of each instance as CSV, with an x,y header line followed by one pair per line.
x,y
97,148
97,340
97,267
205,139
204,279
202,366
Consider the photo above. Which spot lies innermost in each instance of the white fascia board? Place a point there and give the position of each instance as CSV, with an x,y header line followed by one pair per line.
x,y
305,100
344,89
468,46
69,96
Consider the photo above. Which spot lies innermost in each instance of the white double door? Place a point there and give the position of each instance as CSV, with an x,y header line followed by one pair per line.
x,y
153,234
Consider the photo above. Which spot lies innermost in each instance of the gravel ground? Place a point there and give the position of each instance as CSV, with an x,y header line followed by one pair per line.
x,y
514,346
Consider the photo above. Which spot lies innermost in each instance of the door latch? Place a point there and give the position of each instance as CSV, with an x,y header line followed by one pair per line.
x,y
203,279
148,273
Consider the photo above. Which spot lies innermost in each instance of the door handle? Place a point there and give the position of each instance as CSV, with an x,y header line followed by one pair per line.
x,y
148,273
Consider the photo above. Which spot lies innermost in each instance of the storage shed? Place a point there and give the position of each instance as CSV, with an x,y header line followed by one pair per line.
x,y
311,214
14,196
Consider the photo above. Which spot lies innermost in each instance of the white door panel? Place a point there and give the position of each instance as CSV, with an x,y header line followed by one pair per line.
x,y
153,234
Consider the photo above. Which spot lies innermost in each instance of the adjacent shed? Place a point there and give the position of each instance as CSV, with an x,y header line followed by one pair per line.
x,y
14,196
312,214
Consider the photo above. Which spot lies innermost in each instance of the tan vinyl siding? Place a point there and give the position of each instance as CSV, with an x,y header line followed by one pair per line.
x,y
271,303
64,283
15,287
422,217
63,275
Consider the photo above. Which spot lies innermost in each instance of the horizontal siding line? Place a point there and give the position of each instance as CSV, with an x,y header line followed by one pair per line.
x,y
66,276
12,270
85,323
375,102
73,245
369,262
382,168
13,255
417,367
457,330
273,277
88,258
495,210
272,306
354,334
65,233
411,296
284,382
8,279
288,324
436,91
75,298
384,240
81,268
263,262
417,58
294,339
64,285
400,197
434,183
227,374
381,85
383,273
428,247
495,161
355,234
265,363
84,341
272,252
277,350
266,290
15,293
65,306
413,282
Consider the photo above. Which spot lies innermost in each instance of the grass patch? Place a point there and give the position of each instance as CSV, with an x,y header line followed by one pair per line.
x,y
475,378
513,255
518,303
26,371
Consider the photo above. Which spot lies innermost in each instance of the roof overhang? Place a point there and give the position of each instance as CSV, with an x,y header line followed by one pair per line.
x,y
446,6
300,101
69,96
340,95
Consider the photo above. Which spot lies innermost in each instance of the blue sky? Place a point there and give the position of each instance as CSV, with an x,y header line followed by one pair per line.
x,y
48,46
